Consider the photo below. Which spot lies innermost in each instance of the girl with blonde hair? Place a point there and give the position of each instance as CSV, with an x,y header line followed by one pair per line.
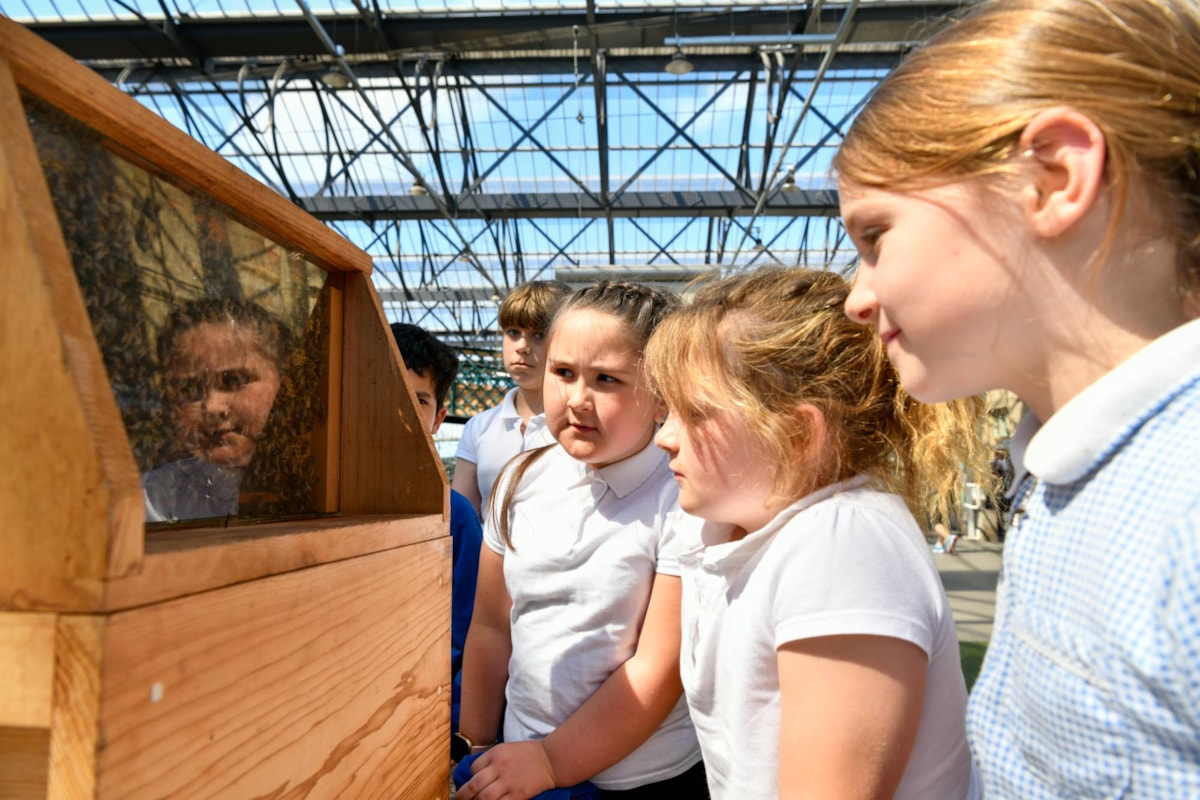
x,y
1023,192
819,654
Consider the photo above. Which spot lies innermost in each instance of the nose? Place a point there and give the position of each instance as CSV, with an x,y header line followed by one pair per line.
x,y
665,437
861,305
216,401
524,346
579,396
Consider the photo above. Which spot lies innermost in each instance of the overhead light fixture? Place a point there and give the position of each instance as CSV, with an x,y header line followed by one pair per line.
x,y
335,79
417,190
759,246
679,65
789,183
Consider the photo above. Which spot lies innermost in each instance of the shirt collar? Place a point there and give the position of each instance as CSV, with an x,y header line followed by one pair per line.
x,y
1026,429
627,475
1097,419
512,419
508,406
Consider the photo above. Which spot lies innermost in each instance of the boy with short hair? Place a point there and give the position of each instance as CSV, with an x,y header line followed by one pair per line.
x,y
518,423
432,367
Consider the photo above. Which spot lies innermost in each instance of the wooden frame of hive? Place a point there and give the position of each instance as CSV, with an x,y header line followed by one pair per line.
x,y
288,659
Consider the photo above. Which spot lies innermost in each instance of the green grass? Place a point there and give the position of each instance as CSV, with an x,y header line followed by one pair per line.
x,y
972,659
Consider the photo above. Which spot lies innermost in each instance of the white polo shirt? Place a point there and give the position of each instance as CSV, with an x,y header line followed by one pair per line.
x,y
586,547
491,438
846,560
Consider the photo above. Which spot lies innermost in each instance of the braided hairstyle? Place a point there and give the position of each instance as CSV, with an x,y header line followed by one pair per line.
x,y
640,309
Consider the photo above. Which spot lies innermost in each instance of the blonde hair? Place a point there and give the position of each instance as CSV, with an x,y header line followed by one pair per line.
x,y
640,309
532,305
956,108
759,344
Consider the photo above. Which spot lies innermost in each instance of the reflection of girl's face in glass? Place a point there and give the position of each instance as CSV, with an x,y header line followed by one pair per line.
x,y
220,389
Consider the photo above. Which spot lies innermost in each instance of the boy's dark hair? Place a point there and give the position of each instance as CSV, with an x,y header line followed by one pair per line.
x,y
427,355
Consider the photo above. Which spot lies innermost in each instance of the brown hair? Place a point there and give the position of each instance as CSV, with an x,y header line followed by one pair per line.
x,y
280,476
640,309
532,305
783,340
270,336
956,107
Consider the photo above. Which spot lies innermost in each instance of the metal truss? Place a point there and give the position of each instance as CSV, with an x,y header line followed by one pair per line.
x,y
471,149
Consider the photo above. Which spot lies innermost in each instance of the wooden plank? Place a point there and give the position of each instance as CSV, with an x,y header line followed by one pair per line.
x,y
389,462
59,428
24,759
52,75
74,727
194,560
327,451
329,682
26,669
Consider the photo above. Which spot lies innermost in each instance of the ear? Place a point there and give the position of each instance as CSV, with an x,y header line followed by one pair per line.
x,y
1067,151
810,421
660,412
438,418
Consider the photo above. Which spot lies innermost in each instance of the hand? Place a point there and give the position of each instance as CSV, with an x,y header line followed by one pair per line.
x,y
512,771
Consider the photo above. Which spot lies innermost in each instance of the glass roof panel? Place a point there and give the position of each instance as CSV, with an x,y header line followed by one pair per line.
x,y
469,145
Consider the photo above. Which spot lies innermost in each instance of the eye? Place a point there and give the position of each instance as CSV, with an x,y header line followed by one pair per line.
x,y
540,335
563,372
512,333
869,238
602,378
231,380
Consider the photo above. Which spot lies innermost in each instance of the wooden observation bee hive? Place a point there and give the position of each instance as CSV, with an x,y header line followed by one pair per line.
x,y
289,639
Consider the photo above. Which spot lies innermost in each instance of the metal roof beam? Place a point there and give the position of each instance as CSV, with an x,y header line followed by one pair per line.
x,y
822,202
648,68
680,133
406,35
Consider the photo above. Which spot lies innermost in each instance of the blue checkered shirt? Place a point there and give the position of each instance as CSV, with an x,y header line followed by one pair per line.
x,y
1091,686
